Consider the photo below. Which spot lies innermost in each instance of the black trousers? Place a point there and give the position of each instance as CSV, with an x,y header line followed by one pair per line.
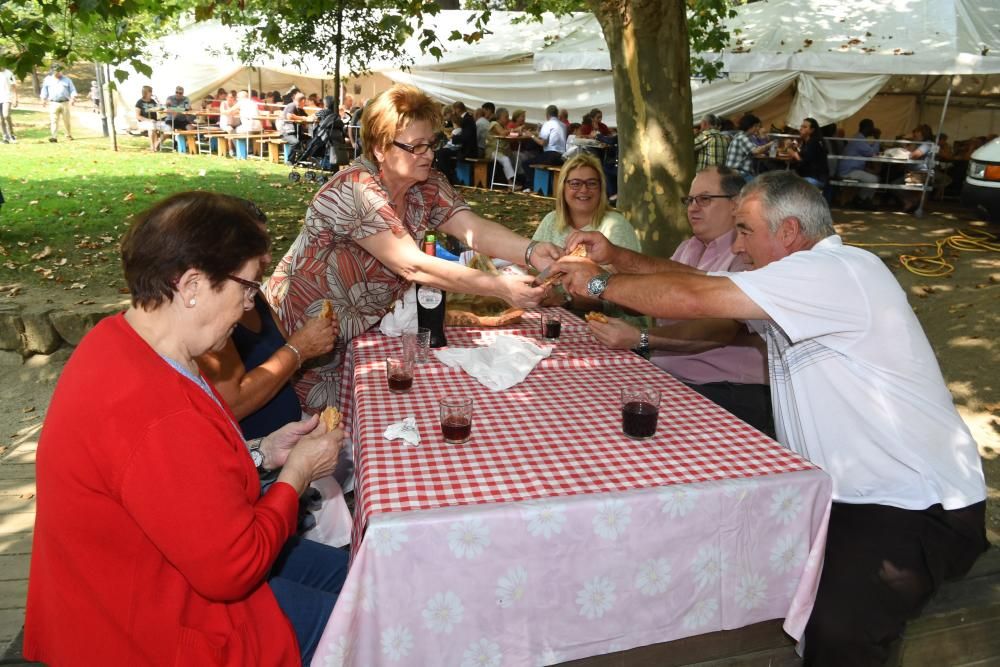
x,y
749,402
882,565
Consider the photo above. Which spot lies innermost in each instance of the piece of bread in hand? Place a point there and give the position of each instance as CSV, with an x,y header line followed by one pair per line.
x,y
594,316
330,418
327,309
579,251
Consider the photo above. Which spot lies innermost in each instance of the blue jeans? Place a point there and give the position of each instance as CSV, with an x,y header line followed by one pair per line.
x,y
306,580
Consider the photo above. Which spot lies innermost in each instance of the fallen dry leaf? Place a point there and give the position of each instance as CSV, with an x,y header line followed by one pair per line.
x,y
128,197
43,254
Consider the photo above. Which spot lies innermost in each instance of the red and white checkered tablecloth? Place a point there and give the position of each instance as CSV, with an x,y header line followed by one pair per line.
x,y
557,433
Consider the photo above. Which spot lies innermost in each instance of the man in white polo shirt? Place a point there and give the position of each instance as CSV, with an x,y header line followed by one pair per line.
x,y
856,389
551,137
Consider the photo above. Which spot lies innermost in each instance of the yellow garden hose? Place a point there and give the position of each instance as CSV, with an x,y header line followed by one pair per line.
x,y
935,266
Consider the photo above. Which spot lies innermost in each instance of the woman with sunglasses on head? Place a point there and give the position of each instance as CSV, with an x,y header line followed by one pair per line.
x,y
360,244
582,205
152,540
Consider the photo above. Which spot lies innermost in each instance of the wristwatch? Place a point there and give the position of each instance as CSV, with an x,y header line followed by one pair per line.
x,y
598,284
256,455
643,348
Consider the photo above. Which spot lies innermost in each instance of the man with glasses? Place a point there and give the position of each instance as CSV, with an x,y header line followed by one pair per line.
x,y
724,362
175,105
857,390
58,93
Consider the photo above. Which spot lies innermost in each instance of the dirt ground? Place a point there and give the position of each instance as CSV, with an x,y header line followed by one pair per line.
x,y
960,313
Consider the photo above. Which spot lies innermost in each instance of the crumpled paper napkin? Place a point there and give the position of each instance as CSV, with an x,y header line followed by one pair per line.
x,y
403,316
500,365
405,430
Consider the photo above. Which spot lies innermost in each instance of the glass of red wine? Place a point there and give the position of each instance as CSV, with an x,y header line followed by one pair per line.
x,y
456,418
551,325
399,373
640,409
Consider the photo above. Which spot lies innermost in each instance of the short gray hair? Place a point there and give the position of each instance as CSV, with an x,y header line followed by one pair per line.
x,y
711,119
784,195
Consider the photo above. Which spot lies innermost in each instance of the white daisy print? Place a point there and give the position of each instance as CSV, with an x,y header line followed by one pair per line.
x,y
701,613
510,587
468,538
596,597
482,653
787,554
786,503
397,642
443,612
368,593
612,517
708,565
549,657
337,653
740,487
751,591
386,539
545,519
677,500
653,576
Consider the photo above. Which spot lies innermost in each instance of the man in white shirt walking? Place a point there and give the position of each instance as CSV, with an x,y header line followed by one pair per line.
x,y
856,389
58,94
8,100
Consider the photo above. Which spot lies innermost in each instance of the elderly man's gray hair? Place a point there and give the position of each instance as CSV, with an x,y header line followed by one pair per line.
x,y
711,120
784,195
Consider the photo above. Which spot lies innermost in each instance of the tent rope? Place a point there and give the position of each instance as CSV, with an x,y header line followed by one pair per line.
x,y
936,266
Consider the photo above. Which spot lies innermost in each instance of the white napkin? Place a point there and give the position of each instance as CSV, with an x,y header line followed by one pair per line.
x,y
501,365
405,430
403,316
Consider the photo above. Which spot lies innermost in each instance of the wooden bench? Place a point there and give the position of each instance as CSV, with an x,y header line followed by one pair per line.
x,y
181,140
240,142
544,178
480,172
274,150
958,627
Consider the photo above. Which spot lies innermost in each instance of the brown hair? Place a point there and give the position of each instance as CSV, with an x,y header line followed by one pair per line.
x,y
392,111
210,232
581,159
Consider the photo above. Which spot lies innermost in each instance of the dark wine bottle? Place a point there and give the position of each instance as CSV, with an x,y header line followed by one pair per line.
x,y
431,304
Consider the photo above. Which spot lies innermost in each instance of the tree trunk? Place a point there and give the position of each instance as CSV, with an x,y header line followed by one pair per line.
x,y
648,44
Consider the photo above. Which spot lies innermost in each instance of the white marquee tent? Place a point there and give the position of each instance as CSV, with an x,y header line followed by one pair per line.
x,y
835,60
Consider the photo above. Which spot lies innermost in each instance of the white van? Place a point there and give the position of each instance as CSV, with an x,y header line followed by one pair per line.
x,y
982,184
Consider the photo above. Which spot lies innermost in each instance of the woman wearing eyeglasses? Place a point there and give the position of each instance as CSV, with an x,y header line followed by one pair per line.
x,y
582,205
152,541
359,246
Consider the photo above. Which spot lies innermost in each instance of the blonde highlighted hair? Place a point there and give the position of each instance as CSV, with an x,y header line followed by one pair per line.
x,y
581,159
391,112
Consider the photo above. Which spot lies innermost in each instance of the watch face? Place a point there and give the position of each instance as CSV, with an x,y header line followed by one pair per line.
x,y
597,284
258,457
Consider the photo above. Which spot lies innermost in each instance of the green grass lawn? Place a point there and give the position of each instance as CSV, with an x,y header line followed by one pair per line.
x,y
68,203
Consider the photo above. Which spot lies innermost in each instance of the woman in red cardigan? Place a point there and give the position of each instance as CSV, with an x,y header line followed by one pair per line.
x,y
152,542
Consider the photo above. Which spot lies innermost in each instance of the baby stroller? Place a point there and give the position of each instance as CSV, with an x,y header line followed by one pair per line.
x,y
321,155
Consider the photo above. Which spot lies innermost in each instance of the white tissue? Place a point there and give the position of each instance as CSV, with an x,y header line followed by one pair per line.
x,y
403,316
501,365
405,430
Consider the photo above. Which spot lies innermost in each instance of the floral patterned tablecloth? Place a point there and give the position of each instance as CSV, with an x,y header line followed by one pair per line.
x,y
550,536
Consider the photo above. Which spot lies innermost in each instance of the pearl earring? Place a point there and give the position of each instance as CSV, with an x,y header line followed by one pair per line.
x,y
192,302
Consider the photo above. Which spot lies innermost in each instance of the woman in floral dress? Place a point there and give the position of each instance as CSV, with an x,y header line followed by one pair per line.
x,y
359,246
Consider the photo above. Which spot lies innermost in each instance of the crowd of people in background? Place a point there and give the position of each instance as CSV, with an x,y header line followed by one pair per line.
x,y
822,155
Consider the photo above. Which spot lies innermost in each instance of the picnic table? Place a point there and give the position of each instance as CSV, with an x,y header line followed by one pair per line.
x,y
549,536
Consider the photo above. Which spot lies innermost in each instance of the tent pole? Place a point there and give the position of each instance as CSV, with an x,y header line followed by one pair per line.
x,y
937,142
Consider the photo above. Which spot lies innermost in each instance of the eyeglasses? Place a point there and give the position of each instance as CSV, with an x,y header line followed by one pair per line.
x,y
703,200
251,286
415,149
577,183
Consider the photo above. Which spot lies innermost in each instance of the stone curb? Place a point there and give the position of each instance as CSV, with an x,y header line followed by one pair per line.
x,y
42,329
